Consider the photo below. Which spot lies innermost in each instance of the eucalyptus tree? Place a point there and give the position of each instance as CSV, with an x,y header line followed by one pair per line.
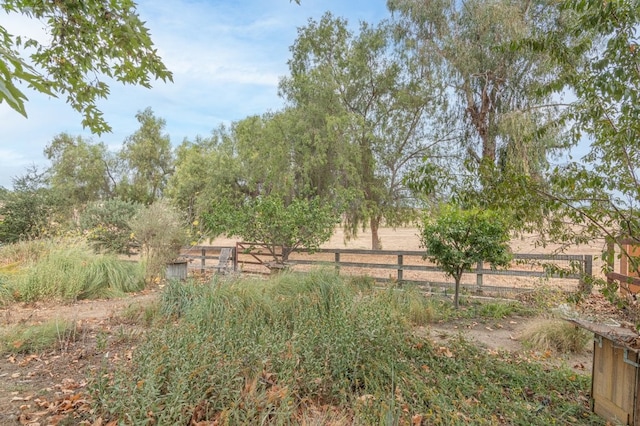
x,y
504,121
364,105
87,43
147,160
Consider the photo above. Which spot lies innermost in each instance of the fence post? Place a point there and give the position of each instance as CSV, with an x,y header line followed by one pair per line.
x,y
479,276
337,260
400,263
585,284
588,264
234,252
203,260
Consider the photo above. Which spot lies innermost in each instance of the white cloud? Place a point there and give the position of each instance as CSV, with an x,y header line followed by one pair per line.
x,y
227,57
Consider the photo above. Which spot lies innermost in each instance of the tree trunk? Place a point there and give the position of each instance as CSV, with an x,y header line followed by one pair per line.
x,y
375,239
457,291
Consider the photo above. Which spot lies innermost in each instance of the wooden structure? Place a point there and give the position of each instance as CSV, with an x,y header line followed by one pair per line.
x,y
211,258
403,266
627,277
177,269
615,383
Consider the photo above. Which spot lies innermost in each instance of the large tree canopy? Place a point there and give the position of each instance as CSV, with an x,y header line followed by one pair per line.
x,y
501,117
367,106
89,43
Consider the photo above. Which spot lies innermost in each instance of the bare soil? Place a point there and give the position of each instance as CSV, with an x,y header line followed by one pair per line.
x,y
51,388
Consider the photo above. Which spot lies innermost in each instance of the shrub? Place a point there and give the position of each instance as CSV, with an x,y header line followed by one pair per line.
x,y
159,231
106,225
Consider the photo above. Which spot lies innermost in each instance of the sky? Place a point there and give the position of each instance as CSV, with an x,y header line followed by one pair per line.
x,y
226,56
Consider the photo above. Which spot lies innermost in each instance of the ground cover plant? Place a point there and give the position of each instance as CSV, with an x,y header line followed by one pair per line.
x,y
51,335
320,348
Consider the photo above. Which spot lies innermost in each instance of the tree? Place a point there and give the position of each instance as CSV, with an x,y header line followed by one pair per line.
x,y
366,105
599,193
507,122
458,239
89,42
28,211
302,223
80,171
148,160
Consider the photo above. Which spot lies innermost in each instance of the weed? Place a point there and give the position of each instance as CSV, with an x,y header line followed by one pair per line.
x,y
254,351
141,314
51,335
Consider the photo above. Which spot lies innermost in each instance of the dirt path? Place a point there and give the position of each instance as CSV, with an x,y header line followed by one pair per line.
x,y
45,388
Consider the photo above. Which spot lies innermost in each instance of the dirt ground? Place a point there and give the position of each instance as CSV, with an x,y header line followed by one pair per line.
x,y
47,388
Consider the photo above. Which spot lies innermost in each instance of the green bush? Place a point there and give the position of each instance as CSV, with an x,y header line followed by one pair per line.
x,y
106,225
160,233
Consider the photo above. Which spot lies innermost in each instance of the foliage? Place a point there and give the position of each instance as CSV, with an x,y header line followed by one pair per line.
x,y
73,272
557,335
598,193
148,160
106,225
458,239
367,106
28,211
80,171
89,42
33,339
306,346
159,231
507,122
203,169
301,223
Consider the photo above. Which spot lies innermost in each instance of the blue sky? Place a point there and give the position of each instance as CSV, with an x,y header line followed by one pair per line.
x,y
226,57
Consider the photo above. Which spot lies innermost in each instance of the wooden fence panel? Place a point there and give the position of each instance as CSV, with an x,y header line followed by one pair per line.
x,y
407,266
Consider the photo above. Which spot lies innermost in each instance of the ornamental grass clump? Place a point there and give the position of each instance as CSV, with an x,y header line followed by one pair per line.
x,y
71,272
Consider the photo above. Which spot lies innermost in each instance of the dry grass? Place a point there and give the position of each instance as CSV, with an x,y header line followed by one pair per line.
x,y
555,335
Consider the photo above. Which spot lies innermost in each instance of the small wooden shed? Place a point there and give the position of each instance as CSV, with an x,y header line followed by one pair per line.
x,y
615,380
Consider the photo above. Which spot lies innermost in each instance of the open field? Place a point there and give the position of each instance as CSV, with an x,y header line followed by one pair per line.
x,y
407,239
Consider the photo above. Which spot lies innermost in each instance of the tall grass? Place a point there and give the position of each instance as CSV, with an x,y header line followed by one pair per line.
x,y
66,272
316,346
26,252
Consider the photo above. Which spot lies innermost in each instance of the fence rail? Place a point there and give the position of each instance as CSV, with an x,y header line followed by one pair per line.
x,y
405,266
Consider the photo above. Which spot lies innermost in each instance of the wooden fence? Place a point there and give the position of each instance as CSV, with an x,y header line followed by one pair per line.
x,y
524,273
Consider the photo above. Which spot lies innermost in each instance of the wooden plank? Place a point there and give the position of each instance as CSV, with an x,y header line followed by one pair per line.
x,y
614,383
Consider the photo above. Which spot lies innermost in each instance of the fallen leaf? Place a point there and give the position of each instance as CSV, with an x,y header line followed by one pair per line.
x,y
21,398
416,420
